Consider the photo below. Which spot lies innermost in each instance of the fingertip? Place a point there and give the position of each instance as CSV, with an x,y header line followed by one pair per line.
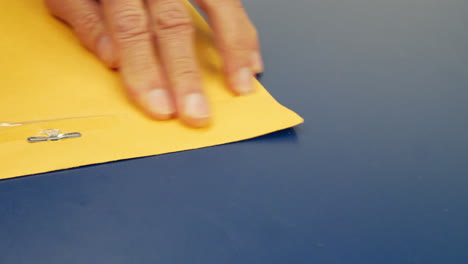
x,y
195,110
196,106
158,103
158,116
196,123
242,81
106,51
257,63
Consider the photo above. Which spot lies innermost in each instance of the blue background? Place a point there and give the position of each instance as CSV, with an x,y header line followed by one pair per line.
x,y
377,174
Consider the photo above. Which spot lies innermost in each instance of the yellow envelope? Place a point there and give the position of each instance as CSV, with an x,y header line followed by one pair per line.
x,y
49,81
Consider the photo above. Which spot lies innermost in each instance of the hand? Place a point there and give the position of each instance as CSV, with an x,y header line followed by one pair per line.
x,y
151,42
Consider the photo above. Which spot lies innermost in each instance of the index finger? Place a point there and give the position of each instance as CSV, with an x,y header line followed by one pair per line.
x,y
142,74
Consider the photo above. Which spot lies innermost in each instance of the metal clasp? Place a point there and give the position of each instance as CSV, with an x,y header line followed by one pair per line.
x,y
54,135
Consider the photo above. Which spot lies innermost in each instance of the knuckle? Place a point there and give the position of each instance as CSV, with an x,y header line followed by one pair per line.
x,y
173,19
243,38
130,25
185,69
87,22
142,65
240,43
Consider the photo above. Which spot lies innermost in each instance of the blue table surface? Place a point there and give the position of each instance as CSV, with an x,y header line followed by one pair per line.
x,y
377,174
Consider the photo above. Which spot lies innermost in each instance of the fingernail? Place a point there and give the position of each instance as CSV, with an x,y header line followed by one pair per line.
x,y
196,106
257,63
244,81
160,103
105,50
